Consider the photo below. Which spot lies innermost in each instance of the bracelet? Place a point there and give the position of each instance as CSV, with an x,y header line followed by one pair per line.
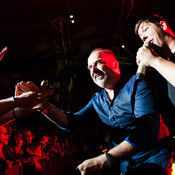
x,y
44,107
13,98
108,159
14,115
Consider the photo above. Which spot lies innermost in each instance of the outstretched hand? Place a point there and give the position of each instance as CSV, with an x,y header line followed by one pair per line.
x,y
29,94
22,87
3,52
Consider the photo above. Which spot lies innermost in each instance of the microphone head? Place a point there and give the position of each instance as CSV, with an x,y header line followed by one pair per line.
x,y
146,43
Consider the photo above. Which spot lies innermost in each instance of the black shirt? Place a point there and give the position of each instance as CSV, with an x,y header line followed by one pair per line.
x,y
171,88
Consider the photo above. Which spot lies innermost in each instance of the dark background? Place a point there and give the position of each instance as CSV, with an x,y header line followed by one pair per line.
x,y
37,51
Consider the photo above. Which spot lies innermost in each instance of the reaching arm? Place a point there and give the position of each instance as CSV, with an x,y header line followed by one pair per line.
x,y
6,105
52,113
16,113
26,100
56,116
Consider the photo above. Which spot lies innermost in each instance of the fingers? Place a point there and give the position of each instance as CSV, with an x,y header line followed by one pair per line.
x,y
43,85
137,60
32,86
80,169
28,94
139,53
3,52
28,86
17,91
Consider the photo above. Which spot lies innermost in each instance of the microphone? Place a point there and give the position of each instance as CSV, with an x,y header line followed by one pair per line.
x,y
141,70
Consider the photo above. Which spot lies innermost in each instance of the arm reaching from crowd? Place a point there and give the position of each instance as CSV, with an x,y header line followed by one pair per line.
x,y
27,99
22,103
53,113
21,99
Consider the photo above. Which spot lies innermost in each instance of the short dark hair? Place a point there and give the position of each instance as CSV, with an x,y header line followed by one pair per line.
x,y
152,19
104,50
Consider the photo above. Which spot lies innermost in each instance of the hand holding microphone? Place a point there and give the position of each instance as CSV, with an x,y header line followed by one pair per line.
x,y
141,67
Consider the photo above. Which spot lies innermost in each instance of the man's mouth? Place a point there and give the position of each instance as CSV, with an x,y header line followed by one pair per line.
x,y
99,75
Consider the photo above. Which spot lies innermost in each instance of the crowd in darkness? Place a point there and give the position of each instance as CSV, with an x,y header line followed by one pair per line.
x,y
27,148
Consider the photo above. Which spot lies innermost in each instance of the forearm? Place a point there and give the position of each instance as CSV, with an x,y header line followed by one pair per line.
x,y
16,113
6,118
114,157
56,115
6,105
117,154
121,152
165,68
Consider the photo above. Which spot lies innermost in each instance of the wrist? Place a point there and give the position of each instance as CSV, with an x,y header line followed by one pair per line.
x,y
44,106
155,62
108,159
14,115
14,101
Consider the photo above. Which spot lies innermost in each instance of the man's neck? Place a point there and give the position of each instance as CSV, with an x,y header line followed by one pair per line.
x,y
170,47
110,94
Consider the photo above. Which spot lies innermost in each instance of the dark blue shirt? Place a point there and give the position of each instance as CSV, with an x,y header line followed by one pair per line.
x,y
132,116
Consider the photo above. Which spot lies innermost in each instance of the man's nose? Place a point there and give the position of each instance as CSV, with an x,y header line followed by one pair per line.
x,y
93,70
145,38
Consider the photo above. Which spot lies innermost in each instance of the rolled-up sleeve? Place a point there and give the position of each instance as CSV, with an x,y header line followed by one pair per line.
x,y
82,117
147,121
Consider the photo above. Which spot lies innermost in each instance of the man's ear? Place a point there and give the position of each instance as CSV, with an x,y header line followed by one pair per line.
x,y
116,67
163,25
166,28
115,64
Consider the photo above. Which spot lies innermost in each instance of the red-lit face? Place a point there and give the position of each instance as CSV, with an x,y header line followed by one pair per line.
x,y
151,33
104,69
29,137
44,140
3,135
19,140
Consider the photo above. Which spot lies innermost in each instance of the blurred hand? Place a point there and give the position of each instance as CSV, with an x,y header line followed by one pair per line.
x,y
37,165
9,164
32,98
18,162
3,52
28,94
22,87
93,166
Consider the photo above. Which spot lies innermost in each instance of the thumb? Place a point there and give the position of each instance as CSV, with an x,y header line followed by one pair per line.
x,y
43,84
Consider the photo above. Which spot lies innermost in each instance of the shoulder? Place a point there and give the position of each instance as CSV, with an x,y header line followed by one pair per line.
x,y
97,95
135,87
138,84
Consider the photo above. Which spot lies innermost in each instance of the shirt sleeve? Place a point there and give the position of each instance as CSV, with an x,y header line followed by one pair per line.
x,y
81,117
147,120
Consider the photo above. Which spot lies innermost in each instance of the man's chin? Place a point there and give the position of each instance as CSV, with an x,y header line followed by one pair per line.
x,y
99,83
